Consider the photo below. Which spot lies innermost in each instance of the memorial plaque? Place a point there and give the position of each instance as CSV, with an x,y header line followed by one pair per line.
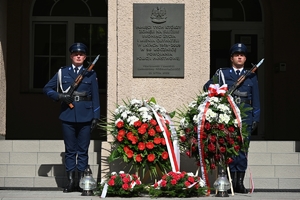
x,y
158,40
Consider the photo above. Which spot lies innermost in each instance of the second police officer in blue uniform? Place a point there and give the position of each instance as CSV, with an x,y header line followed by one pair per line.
x,y
79,121
247,93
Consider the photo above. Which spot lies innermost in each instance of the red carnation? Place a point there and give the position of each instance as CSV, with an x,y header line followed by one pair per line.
x,y
211,147
111,182
187,184
173,181
163,183
188,153
125,186
144,125
213,166
151,132
120,124
163,141
122,132
222,149
164,155
164,177
157,128
138,158
229,160
125,180
217,157
129,136
231,129
153,122
149,145
182,138
237,147
134,140
207,125
221,140
221,126
230,141
194,148
157,140
142,130
137,123
126,148
191,179
129,154
120,138
213,138
141,146
151,157
187,130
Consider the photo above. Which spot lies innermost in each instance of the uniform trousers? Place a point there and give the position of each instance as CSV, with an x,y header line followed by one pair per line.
x,y
77,140
240,162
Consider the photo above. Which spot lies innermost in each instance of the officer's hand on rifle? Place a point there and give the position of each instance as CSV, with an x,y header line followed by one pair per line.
x,y
254,126
65,98
94,124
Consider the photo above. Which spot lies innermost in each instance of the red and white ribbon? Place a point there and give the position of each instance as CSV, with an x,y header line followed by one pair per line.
x,y
216,90
161,122
175,140
237,113
200,130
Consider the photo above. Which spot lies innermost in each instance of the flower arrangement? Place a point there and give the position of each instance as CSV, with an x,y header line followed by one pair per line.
x,y
178,184
122,185
137,128
214,120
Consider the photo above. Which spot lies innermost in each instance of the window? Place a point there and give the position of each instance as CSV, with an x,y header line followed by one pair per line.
x,y
56,24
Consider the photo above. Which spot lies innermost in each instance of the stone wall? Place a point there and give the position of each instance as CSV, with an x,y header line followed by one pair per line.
x,y
2,67
171,93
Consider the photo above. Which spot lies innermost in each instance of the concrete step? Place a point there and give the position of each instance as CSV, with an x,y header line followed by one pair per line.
x,y
40,163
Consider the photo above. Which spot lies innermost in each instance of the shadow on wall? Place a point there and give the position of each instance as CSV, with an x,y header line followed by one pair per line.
x,y
55,170
96,163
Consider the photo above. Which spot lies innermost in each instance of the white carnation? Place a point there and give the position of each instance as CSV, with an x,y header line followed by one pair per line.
x,y
223,118
132,119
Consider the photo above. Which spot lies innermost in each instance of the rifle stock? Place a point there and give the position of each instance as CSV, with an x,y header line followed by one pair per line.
x,y
79,79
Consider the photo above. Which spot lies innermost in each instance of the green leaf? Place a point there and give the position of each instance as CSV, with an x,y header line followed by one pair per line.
x,y
172,114
152,99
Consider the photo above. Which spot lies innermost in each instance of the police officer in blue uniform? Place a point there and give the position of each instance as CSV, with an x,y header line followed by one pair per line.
x,y
79,121
247,93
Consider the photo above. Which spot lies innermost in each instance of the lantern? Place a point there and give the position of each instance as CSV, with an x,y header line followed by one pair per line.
x,y
222,185
87,183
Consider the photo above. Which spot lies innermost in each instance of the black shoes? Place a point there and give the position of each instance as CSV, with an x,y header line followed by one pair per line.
x,y
240,188
71,184
238,182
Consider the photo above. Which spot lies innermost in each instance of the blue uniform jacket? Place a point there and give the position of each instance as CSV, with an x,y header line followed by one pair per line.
x,y
250,85
83,111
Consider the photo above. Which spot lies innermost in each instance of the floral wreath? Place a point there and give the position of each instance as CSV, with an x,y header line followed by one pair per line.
x,y
178,184
214,122
142,136
122,184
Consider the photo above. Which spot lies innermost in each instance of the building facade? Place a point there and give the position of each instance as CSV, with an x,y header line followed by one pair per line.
x,y
34,40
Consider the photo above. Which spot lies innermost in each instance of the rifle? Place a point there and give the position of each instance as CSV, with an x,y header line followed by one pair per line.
x,y
80,77
243,77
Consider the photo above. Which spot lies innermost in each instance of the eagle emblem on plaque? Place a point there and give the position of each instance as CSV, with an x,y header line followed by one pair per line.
x,y
159,15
